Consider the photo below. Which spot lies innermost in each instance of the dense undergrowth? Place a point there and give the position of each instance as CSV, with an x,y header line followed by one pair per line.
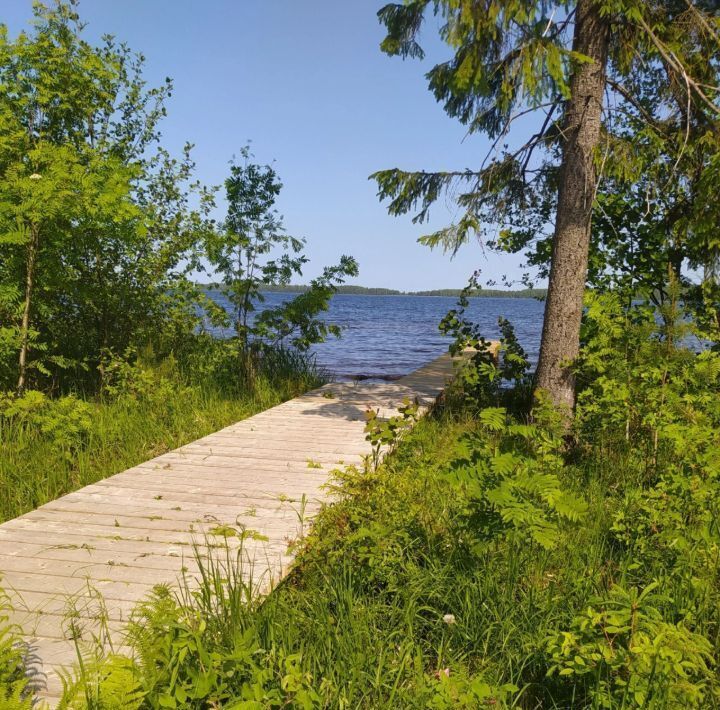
x,y
493,560
51,446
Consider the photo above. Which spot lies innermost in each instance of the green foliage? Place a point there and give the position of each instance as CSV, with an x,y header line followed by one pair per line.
x,y
505,54
252,251
96,227
514,363
197,650
654,216
481,371
639,377
632,657
65,423
240,250
452,692
386,433
109,683
14,693
296,321
506,59
511,473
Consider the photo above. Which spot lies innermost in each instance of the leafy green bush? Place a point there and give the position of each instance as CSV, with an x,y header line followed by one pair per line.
x,y
630,657
387,432
641,383
511,474
65,422
481,374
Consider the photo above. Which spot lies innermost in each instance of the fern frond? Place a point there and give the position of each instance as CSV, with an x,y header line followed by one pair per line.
x,y
494,418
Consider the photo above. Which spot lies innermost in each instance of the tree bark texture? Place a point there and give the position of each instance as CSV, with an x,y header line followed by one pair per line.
x,y
31,261
568,270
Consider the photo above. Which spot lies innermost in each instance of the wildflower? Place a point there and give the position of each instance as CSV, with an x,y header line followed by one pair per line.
x,y
35,176
449,619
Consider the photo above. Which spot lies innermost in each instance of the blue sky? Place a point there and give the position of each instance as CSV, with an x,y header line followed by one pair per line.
x,y
307,83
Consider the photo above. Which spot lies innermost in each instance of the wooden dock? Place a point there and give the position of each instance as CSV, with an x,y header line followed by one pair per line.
x,y
75,568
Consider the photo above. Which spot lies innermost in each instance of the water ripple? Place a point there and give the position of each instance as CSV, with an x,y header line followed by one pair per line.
x,y
389,336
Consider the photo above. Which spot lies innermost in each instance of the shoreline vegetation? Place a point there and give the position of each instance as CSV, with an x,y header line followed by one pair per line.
x,y
345,289
482,563
543,539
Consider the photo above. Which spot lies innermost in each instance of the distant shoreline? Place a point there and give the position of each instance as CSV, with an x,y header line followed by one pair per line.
x,y
366,291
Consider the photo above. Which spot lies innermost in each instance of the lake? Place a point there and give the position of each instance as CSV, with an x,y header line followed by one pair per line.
x,y
388,336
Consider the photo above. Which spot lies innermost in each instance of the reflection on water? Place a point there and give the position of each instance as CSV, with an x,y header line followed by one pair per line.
x,y
389,336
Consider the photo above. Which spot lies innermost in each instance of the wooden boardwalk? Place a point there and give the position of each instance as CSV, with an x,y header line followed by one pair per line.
x,y
75,568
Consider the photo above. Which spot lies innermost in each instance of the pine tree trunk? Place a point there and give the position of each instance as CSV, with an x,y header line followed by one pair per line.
x,y
563,310
31,262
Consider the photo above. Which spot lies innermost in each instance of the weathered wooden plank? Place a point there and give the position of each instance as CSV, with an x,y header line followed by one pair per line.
x,y
181,506
184,471
223,458
283,502
32,604
222,464
265,455
18,542
234,488
57,532
21,582
59,521
162,557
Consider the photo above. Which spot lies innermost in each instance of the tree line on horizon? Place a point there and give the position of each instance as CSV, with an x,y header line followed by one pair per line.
x,y
349,289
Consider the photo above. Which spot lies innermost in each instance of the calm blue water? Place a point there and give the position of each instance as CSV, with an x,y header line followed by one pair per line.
x,y
394,335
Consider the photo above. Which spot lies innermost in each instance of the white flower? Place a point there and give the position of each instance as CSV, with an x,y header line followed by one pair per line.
x,y
449,618
35,176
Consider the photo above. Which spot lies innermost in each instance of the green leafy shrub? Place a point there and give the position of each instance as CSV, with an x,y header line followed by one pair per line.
x,y
628,656
382,432
640,381
511,473
64,422
142,378
462,692
482,373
